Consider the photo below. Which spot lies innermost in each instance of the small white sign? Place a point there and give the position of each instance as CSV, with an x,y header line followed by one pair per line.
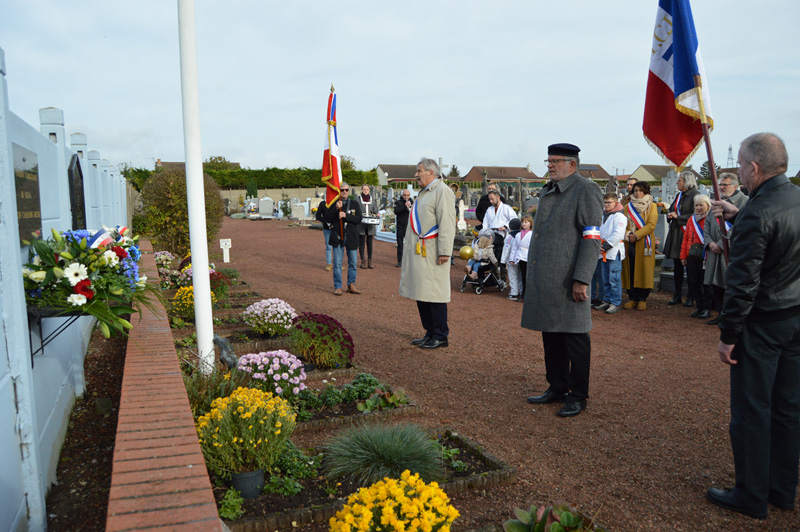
x,y
225,244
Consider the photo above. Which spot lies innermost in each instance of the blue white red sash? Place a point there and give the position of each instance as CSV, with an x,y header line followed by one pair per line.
x,y
638,221
698,230
414,222
678,208
591,232
100,238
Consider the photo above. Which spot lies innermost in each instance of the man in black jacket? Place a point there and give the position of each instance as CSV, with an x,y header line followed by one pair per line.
x,y
402,208
484,202
344,217
760,333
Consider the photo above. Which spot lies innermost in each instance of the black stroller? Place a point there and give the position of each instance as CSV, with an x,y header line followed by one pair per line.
x,y
488,273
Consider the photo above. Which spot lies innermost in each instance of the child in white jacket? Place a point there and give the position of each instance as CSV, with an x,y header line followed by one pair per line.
x,y
518,259
612,233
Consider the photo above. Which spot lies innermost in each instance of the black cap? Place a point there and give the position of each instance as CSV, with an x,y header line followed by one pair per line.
x,y
567,150
514,224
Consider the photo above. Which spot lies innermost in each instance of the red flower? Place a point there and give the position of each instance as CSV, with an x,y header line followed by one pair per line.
x,y
83,289
121,253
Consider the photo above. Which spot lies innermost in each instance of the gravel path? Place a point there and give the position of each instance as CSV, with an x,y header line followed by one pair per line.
x,y
654,436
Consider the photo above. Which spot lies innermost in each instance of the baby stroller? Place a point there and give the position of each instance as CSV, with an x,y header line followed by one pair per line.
x,y
488,273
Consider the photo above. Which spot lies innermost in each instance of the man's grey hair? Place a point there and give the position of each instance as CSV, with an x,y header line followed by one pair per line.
x,y
768,151
429,164
344,184
734,179
576,159
689,180
494,192
702,198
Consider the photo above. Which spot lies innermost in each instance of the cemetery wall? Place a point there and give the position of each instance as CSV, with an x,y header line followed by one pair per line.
x,y
44,184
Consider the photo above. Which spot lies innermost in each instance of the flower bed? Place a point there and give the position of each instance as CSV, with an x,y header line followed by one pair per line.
x,y
284,513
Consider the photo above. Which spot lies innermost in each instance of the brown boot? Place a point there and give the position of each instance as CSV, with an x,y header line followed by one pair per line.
x,y
363,264
352,289
369,264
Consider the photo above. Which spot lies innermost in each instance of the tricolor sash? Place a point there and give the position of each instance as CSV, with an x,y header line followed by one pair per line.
x,y
638,221
100,238
700,234
591,232
414,222
678,208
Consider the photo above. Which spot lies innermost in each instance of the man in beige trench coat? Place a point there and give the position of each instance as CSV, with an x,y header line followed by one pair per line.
x,y
561,261
427,249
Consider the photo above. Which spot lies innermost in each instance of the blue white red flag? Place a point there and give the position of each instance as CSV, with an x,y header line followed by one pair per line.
x,y
331,164
672,111
100,238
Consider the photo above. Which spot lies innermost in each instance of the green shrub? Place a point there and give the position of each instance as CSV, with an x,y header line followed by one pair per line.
x,y
321,340
165,207
369,453
231,506
362,387
203,389
294,463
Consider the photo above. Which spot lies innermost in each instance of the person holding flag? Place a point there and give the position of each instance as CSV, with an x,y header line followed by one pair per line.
x,y
638,267
345,217
425,270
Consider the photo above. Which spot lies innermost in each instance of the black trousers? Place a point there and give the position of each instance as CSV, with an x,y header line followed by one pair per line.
x,y
401,235
677,268
523,275
765,413
361,240
434,319
700,292
566,361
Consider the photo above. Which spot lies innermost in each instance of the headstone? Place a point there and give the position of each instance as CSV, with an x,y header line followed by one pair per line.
x,y
26,183
266,207
461,224
473,199
299,211
77,201
530,204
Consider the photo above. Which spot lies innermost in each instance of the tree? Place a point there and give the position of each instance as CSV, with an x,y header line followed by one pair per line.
x,y
454,172
252,188
705,171
137,177
348,163
217,162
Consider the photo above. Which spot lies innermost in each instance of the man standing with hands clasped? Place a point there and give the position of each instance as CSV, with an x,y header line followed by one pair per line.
x,y
427,249
344,216
760,332
561,260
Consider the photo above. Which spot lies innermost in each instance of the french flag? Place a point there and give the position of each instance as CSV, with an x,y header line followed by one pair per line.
x,y
672,111
331,165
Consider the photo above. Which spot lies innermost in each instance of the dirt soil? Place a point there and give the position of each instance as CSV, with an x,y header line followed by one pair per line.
x,y
653,439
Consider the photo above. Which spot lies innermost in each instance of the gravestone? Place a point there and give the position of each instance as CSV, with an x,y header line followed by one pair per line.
x,y
77,202
26,184
461,224
266,207
530,203
299,211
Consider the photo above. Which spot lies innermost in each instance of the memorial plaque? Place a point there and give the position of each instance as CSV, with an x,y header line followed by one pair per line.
x,y
26,183
77,202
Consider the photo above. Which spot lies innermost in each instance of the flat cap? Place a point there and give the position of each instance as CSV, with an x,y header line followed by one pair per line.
x,y
567,150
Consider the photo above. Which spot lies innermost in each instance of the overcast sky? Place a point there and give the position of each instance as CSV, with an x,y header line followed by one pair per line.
x,y
475,83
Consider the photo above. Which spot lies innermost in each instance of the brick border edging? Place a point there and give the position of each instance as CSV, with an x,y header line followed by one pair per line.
x,y
159,478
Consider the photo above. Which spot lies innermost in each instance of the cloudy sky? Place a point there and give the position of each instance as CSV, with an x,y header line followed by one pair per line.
x,y
475,83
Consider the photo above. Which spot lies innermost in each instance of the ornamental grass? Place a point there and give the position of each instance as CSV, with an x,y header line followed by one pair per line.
x,y
270,316
370,452
245,431
183,302
322,341
404,505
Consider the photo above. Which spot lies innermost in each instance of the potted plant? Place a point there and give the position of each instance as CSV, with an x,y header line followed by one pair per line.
x,y
87,272
321,340
270,317
279,372
242,436
406,504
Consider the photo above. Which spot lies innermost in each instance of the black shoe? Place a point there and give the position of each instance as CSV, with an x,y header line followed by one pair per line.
x,y
397,265
547,397
596,301
434,344
675,301
704,315
689,302
727,499
572,408
695,314
420,341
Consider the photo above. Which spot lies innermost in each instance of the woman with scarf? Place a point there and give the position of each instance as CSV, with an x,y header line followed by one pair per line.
x,y
366,231
693,259
638,267
679,213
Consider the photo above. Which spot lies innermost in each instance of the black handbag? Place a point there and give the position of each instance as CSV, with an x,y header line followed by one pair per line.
x,y
696,251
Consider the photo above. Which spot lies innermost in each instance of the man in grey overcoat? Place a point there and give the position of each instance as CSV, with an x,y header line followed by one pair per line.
x,y
561,260
427,249
715,259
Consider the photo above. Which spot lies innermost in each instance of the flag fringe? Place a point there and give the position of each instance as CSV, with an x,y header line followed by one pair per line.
x,y
689,111
677,168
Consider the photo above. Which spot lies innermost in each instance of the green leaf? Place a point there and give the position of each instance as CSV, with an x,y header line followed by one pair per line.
x,y
556,527
512,525
522,515
44,252
542,522
567,519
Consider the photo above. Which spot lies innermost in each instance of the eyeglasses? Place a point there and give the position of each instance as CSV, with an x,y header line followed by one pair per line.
x,y
345,190
554,162
725,185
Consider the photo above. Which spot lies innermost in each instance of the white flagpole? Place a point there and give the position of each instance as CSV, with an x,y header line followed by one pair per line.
x,y
194,184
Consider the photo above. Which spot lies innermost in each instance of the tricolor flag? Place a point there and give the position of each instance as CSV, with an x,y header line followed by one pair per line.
x,y
672,111
331,165
99,238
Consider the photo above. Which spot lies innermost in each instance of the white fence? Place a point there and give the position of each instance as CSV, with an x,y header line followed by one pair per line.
x,y
48,185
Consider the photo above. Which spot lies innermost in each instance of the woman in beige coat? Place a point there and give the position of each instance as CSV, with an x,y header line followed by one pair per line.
x,y
638,268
